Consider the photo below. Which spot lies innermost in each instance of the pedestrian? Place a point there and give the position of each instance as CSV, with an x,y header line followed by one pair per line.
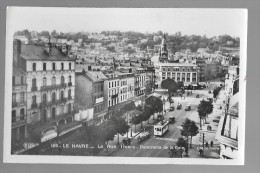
x,y
207,144
201,152
211,143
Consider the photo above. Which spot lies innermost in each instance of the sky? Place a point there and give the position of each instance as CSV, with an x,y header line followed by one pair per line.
x,y
209,22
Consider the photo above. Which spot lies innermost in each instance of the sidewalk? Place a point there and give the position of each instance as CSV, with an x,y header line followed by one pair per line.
x,y
146,126
213,121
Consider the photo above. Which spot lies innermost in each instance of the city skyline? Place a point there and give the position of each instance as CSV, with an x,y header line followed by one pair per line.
x,y
186,21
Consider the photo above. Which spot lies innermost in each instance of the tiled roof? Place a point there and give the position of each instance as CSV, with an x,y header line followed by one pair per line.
x,y
96,76
37,53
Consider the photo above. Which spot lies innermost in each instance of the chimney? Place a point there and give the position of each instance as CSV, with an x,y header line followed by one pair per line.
x,y
16,52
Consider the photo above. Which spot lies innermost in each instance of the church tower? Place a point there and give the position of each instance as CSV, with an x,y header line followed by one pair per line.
x,y
163,54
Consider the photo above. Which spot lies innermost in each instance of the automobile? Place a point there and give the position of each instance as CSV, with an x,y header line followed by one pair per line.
x,y
197,96
160,118
210,99
171,119
171,108
179,106
187,108
143,136
126,141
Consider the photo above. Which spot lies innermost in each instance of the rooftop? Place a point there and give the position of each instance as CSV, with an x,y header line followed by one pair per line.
x,y
37,53
96,76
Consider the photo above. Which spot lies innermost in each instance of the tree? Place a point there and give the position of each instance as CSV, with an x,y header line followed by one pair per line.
x,y
135,120
45,34
194,130
106,131
189,128
186,132
111,48
204,108
139,107
170,85
54,33
155,104
182,143
216,92
121,126
127,108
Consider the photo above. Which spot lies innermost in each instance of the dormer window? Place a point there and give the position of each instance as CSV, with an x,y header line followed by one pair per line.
x,y
34,66
53,66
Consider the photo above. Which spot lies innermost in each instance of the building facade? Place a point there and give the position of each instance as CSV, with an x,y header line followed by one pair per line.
x,y
187,73
50,79
90,93
19,111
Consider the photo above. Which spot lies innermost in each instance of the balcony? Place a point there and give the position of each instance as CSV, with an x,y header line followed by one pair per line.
x,y
69,97
140,94
54,102
70,84
51,87
34,105
34,88
114,96
14,104
18,121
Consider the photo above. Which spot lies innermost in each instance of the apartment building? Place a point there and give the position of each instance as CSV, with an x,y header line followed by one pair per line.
x,y
50,79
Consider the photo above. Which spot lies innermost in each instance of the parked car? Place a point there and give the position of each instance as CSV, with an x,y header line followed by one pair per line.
x,y
171,108
187,108
179,106
143,136
197,96
160,118
210,99
171,119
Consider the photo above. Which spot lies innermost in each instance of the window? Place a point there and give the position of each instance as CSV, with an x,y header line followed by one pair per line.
x,y
44,66
53,66
109,103
22,97
69,78
69,93
112,84
44,98
34,99
22,114
34,66
102,87
53,97
109,84
62,66
34,82
13,116
53,81
115,83
61,95
13,80
14,97
22,79
44,81
62,80
69,66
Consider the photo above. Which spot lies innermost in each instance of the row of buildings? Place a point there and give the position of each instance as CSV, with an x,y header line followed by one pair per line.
x,y
43,93
228,128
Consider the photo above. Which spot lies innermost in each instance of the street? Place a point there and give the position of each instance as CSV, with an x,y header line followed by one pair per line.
x,y
157,146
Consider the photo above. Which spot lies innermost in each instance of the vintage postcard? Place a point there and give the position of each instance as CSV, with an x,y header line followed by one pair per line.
x,y
125,85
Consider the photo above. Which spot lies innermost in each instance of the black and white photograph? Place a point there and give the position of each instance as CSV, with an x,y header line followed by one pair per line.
x,y
125,85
